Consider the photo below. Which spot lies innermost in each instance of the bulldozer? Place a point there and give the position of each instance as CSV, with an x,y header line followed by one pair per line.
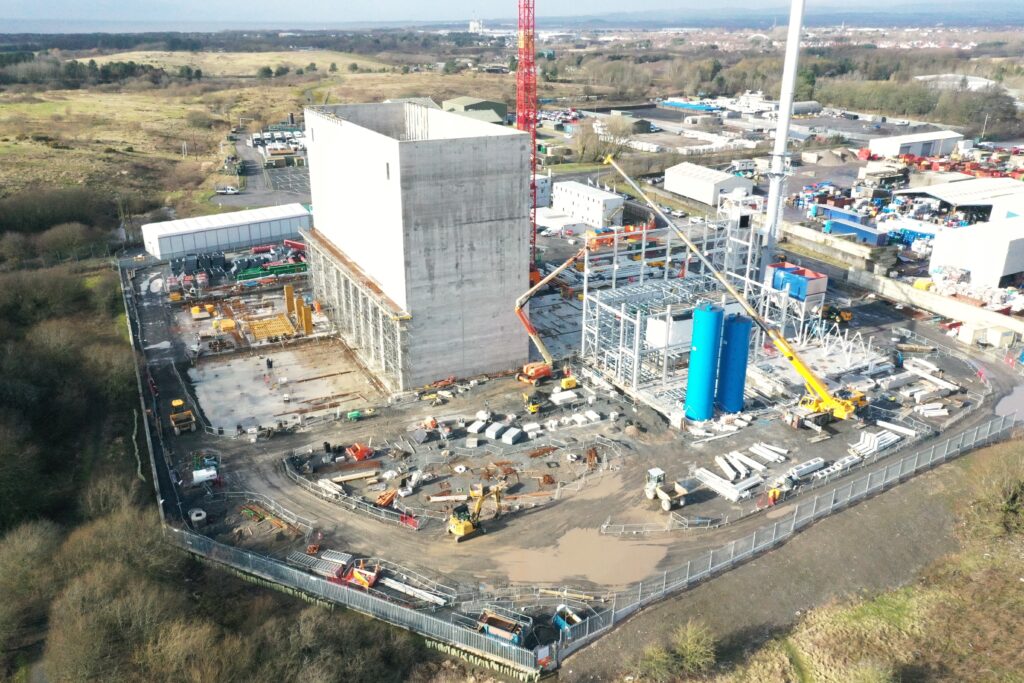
x,y
182,419
464,522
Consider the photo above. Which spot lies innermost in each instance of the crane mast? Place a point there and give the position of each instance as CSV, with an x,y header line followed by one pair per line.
x,y
526,103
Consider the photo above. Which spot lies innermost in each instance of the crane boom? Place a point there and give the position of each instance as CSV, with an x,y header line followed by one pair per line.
x,y
819,398
521,301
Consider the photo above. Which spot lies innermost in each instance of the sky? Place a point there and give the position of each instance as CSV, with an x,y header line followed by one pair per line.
x,y
305,12
329,10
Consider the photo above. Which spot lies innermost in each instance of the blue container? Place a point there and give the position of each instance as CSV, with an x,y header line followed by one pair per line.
x,y
707,342
732,364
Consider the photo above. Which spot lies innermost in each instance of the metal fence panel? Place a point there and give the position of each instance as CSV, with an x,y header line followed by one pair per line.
x,y
764,538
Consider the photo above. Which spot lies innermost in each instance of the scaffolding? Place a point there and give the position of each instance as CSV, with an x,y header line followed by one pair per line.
x,y
369,322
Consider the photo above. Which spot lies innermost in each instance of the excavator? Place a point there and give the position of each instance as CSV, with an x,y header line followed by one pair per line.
x,y
818,403
464,522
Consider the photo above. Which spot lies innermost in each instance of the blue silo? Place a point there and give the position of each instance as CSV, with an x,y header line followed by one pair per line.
x,y
700,382
732,366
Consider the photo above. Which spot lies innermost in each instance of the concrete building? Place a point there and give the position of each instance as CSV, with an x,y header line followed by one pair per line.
x,y
224,231
468,104
420,243
992,252
703,184
937,143
544,190
588,205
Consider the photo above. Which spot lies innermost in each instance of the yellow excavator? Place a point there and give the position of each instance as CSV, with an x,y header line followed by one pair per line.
x,y
818,402
535,373
464,522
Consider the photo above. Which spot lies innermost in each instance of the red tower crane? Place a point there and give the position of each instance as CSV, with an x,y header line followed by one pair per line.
x,y
526,107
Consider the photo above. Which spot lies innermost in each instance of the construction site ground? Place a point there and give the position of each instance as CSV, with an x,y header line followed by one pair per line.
x,y
543,541
879,544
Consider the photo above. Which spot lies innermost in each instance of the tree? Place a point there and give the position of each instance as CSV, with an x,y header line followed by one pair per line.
x,y
197,74
333,67
311,66
281,70
353,67
299,72
186,72
265,72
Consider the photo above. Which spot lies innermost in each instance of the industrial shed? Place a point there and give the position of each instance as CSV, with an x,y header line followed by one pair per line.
x,y
993,252
988,197
703,184
224,231
938,143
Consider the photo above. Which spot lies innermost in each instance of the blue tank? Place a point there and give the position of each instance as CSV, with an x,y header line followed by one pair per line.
x,y
700,382
732,365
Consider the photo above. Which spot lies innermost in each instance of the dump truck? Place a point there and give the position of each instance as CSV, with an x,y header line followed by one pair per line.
x,y
671,495
182,419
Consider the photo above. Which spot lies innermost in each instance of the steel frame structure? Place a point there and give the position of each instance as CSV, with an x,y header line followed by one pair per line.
x,y
620,297
368,321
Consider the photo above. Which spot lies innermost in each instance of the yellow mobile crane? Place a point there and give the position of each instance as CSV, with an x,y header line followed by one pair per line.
x,y
818,400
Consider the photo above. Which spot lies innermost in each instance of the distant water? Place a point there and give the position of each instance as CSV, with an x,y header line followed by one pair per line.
x,y
104,26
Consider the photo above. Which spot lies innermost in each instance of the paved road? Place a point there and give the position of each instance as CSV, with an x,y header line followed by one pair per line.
x,y
267,187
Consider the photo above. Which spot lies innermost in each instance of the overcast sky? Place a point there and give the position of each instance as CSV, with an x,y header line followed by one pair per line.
x,y
333,10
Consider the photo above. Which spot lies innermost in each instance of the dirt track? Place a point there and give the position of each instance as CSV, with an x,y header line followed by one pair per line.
x,y
878,544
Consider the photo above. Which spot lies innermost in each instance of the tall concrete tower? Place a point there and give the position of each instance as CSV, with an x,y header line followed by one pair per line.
x,y
420,243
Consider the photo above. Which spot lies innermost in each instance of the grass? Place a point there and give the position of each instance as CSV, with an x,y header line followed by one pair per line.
x,y
243,63
963,620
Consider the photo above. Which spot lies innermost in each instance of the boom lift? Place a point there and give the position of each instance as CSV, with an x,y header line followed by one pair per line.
x,y
464,522
535,373
818,401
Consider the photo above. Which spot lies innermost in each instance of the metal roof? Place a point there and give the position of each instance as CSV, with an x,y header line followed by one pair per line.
x,y
422,101
580,188
921,137
976,192
485,115
466,101
225,220
702,173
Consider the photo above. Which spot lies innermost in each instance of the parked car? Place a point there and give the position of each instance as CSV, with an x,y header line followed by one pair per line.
x,y
678,214
227,190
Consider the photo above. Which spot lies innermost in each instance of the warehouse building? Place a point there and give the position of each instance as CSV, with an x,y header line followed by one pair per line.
x,y
703,184
420,244
224,231
937,143
471,105
993,252
977,199
588,205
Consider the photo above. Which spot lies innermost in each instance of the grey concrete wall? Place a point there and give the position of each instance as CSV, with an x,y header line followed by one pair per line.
x,y
355,182
465,210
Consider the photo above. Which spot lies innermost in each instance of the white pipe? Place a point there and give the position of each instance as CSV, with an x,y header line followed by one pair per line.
x,y
777,172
